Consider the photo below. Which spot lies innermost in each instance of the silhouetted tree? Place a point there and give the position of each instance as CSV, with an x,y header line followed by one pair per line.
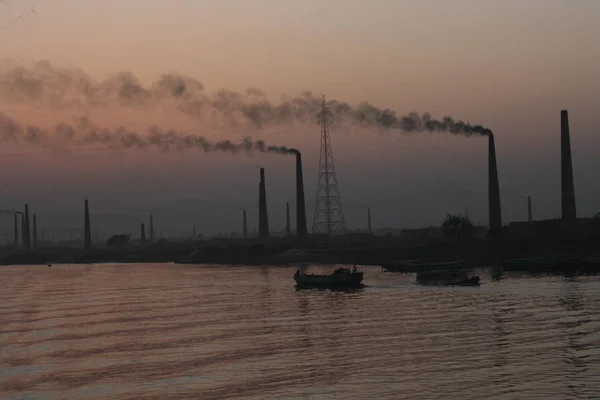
x,y
118,240
457,226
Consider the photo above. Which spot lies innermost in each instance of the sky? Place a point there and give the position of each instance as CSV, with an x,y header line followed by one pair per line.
x,y
510,66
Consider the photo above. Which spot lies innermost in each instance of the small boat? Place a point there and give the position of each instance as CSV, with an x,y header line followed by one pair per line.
x,y
340,278
418,265
446,278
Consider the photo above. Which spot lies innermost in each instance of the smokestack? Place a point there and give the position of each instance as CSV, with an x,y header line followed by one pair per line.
x,y
34,230
142,232
263,218
23,229
529,213
566,168
151,229
26,231
87,229
288,224
244,223
369,219
16,229
301,229
194,231
495,212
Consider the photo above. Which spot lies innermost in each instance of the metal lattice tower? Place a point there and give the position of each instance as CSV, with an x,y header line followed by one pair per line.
x,y
328,216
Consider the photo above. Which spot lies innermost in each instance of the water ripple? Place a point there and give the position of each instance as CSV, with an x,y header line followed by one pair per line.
x,y
188,332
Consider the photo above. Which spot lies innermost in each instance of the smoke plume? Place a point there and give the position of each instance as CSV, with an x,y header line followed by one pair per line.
x,y
71,87
123,138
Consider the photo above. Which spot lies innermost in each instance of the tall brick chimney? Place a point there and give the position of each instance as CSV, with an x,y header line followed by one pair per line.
x,y
495,211
566,168
263,217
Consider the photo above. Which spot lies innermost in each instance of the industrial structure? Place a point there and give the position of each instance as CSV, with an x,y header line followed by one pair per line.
x,y
288,224
566,168
16,229
328,216
244,223
151,229
34,230
263,217
301,225
495,211
87,229
26,231
568,227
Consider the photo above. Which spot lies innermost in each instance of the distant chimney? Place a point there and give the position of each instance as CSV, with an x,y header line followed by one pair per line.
x,y
567,185
301,229
142,232
16,229
34,230
87,229
151,229
263,218
369,219
194,231
23,229
495,211
529,213
244,223
26,231
288,224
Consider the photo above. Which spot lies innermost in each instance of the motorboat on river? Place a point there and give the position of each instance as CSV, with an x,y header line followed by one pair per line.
x,y
341,278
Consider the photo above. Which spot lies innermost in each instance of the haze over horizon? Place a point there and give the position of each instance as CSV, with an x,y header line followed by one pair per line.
x,y
510,66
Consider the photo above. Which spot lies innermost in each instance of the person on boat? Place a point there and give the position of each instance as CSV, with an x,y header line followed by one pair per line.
x,y
297,273
354,269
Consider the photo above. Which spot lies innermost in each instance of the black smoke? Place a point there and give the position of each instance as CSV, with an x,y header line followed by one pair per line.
x,y
123,138
68,87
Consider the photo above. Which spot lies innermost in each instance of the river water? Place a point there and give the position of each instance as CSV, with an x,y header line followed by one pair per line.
x,y
167,331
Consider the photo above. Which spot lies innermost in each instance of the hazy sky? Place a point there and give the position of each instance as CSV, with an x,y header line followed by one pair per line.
x,y
509,65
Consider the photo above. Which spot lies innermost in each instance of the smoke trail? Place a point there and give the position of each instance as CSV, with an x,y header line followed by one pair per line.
x,y
68,87
122,138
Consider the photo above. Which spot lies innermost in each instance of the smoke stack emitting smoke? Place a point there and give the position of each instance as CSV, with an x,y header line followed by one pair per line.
x,y
301,226
61,88
495,211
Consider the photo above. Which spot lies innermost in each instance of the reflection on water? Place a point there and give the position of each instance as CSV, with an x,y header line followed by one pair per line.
x,y
192,332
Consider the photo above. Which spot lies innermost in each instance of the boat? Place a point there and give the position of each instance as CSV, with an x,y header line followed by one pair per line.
x,y
418,265
446,278
340,278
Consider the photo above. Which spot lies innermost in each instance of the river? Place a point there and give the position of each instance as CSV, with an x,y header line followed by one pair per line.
x,y
167,331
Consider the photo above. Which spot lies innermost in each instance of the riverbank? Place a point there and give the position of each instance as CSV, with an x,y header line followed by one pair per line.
x,y
474,252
